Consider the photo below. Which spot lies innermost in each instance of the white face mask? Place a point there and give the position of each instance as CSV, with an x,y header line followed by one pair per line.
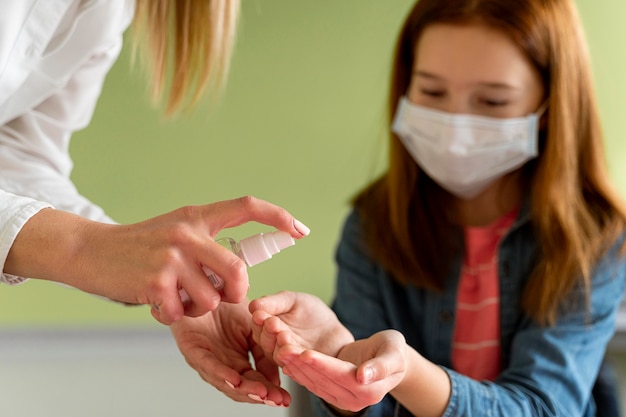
x,y
465,153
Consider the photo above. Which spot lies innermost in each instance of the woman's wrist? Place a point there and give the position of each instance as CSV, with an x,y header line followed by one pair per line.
x,y
46,247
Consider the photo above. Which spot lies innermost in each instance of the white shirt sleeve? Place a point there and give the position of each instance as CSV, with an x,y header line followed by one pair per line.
x,y
54,56
14,212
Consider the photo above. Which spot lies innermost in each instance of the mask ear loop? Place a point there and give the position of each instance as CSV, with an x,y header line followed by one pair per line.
x,y
540,112
542,109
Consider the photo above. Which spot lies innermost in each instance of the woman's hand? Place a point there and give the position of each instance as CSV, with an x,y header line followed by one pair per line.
x,y
217,345
148,262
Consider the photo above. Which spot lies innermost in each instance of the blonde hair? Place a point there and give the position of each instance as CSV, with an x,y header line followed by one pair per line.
x,y
575,212
186,47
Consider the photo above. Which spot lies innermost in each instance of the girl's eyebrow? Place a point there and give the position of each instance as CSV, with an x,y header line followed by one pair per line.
x,y
425,74
490,84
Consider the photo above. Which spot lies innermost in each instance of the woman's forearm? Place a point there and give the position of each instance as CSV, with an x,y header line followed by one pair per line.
x,y
49,246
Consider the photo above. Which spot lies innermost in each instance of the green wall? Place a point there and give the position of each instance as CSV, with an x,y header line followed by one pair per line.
x,y
300,125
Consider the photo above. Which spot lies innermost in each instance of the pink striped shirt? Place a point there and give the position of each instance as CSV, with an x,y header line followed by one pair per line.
x,y
476,340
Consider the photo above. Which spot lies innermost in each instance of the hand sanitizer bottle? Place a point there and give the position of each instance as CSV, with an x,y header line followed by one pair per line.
x,y
252,250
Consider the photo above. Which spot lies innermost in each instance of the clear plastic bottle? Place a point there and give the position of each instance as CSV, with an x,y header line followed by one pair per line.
x,y
252,250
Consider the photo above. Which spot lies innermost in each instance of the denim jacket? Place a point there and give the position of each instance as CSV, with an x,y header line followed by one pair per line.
x,y
547,371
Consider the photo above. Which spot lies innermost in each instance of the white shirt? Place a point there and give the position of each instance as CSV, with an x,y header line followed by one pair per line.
x,y
54,56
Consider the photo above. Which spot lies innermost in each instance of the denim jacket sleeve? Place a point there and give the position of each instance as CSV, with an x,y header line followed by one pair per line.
x,y
550,371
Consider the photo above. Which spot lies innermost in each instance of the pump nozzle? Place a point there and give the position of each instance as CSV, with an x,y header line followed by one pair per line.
x,y
261,247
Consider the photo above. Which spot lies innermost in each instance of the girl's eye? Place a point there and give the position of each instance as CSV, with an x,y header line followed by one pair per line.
x,y
494,103
432,93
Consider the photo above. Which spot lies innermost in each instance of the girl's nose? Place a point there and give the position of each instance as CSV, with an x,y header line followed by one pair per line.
x,y
457,104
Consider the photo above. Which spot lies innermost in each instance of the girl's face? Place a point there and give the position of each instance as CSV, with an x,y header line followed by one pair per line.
x,y
473,69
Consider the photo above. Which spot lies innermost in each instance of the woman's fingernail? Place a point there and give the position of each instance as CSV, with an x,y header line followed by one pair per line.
x,y
256,398
300,227
271,403
229,384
